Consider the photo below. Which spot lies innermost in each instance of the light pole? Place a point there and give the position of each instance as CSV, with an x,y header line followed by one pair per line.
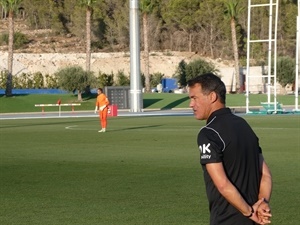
x,y
136,101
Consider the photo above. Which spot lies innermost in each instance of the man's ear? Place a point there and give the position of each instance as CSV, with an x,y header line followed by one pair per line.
x,y
213,97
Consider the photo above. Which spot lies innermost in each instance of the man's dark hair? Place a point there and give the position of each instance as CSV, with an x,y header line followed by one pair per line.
x,y
100,89
210,83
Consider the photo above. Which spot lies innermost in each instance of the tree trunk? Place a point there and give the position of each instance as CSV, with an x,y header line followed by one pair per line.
x,y
88,47
146,54
190,41
88,38
9,84
211,42
79,96
236,55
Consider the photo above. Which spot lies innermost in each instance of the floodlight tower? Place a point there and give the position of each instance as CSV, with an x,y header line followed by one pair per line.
x,y
135,77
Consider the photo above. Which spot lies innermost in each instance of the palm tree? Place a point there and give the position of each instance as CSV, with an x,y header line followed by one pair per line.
x,y
10,6
88,4
232,11
146,7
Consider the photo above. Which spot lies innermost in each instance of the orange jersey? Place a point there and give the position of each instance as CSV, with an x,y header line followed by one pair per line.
x,y
102,100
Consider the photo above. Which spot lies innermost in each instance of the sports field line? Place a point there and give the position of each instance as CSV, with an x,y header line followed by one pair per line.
x,y
77,127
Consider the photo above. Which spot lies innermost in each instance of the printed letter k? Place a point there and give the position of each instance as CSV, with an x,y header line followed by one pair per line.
x,y
205,148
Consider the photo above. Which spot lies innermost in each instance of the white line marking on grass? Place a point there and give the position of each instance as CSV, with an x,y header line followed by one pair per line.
x,y
71,127
76,127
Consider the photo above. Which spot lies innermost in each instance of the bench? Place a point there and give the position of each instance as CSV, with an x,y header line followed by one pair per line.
x,y
271,107
57,105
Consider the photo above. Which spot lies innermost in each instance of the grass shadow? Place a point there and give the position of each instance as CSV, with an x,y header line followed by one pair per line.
x,y
13,95
175,103
149,102
44,124
134,128
87,97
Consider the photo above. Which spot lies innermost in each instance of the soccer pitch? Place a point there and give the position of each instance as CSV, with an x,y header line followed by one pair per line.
x,y
144,170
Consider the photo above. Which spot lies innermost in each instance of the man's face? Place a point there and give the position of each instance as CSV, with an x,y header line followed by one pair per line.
x,y
200,103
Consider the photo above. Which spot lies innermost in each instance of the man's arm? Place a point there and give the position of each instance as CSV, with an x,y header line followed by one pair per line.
x,y
230,193
265,191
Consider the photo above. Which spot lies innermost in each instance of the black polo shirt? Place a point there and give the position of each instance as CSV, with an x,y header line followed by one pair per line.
x,y
229,139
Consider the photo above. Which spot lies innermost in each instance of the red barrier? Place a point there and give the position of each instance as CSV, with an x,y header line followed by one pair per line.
x,y
112,110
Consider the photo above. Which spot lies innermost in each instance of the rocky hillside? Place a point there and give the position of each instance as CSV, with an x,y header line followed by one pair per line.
x,y
43,40
47,52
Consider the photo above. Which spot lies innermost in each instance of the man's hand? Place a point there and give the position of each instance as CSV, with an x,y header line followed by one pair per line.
x,y
260,216
264,212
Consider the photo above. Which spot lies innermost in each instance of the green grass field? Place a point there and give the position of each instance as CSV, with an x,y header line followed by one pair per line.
x,y
144,170
25,103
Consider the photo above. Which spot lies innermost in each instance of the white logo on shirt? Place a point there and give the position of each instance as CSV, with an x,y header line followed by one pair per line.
x,y
205,148
205,151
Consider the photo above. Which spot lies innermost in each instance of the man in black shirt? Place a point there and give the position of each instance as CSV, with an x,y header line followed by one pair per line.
x,y
238,181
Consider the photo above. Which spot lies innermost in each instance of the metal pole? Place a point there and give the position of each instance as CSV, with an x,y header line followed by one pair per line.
x,y
135,77
275,54
270,51
248,57
297,59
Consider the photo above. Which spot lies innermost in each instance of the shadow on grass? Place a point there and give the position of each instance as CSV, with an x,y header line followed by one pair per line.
x,y
86,97
134,128
44,124
149,102
175,103
13,95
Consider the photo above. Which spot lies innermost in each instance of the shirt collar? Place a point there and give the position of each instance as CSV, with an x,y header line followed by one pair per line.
x,y
218,112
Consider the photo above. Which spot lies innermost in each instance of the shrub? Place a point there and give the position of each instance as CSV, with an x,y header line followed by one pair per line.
x,y
24,81
122,79
3,78
38,80
155,78
197,67
180,73
51,81
4,39
20,40
105,79
75,79
286,69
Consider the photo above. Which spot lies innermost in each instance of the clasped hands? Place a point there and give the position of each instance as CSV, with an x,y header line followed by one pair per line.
x,y
262,212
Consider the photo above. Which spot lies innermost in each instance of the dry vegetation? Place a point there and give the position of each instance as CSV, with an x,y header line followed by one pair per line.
x,y
46,52
43,40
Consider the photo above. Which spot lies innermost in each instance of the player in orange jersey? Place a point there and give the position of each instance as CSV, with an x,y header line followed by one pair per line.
x,y
102,105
